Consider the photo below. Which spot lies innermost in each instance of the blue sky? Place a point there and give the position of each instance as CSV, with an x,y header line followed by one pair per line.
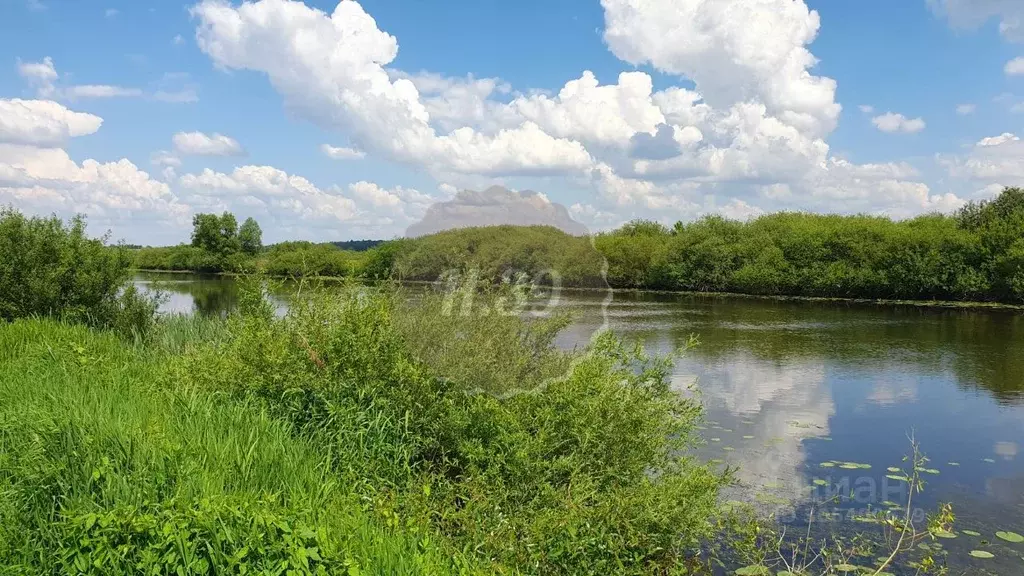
x,y
140,114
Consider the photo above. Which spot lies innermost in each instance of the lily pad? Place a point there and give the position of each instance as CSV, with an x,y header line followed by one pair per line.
x,y
930,471
755,570
820,482
846,567
893,469
895,477
854,466
728,448
971,532
982,554
944,534
827,464
1010,537
953,463
748,437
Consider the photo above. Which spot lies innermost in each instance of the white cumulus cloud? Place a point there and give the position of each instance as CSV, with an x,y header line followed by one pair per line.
x,y
991,164
45,180
974,13
732,50
201,144
342,153
337,76
1015,67
43,77
43,122
891,122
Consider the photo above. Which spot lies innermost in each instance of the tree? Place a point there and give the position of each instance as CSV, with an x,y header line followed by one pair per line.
x,y
250,237
216,234
229,234
206,232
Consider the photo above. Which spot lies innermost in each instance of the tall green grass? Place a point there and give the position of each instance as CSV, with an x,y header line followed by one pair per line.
x,y
109,467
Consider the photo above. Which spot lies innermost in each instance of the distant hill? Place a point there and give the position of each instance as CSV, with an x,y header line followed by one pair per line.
x,y
495,206
357,245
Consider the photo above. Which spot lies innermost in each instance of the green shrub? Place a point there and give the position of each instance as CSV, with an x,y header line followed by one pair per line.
x,y
51,268
588,472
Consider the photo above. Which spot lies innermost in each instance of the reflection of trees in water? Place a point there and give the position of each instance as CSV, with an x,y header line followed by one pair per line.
x,y
215,298
209,295
983,349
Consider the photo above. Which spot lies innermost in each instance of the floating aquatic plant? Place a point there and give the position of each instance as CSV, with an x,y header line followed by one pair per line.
x,y
1010,537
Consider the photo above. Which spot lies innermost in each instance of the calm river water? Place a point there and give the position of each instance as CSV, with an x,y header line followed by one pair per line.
x,y
789,386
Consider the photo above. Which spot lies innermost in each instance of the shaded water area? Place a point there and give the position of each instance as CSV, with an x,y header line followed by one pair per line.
x,y
789,386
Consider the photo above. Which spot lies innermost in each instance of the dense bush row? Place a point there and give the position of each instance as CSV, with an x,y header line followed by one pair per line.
x,y
977,254
285,259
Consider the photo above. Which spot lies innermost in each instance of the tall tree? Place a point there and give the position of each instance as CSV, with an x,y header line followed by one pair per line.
x,y
229,233
216,234
206,232
251,236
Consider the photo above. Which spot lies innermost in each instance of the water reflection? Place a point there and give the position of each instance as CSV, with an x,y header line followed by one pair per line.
x,y
764,411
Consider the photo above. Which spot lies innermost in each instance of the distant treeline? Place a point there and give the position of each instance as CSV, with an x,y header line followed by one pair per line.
x,y
976,254
357,245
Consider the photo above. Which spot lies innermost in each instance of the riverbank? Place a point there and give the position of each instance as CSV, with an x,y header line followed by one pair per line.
x,y
936,304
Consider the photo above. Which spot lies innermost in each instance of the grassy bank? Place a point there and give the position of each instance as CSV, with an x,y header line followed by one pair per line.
x,y
105,469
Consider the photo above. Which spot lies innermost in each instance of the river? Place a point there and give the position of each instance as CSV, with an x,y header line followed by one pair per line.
x,y
789,386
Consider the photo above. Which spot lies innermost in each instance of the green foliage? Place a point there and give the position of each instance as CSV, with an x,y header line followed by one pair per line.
x,y
293,259
105,471
52,268
585,473
250,237
216,234
497,252
380,260
974,255
308,259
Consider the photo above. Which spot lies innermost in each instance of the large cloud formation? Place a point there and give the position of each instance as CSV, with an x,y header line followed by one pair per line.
x,y
38,176
745,129
754,124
